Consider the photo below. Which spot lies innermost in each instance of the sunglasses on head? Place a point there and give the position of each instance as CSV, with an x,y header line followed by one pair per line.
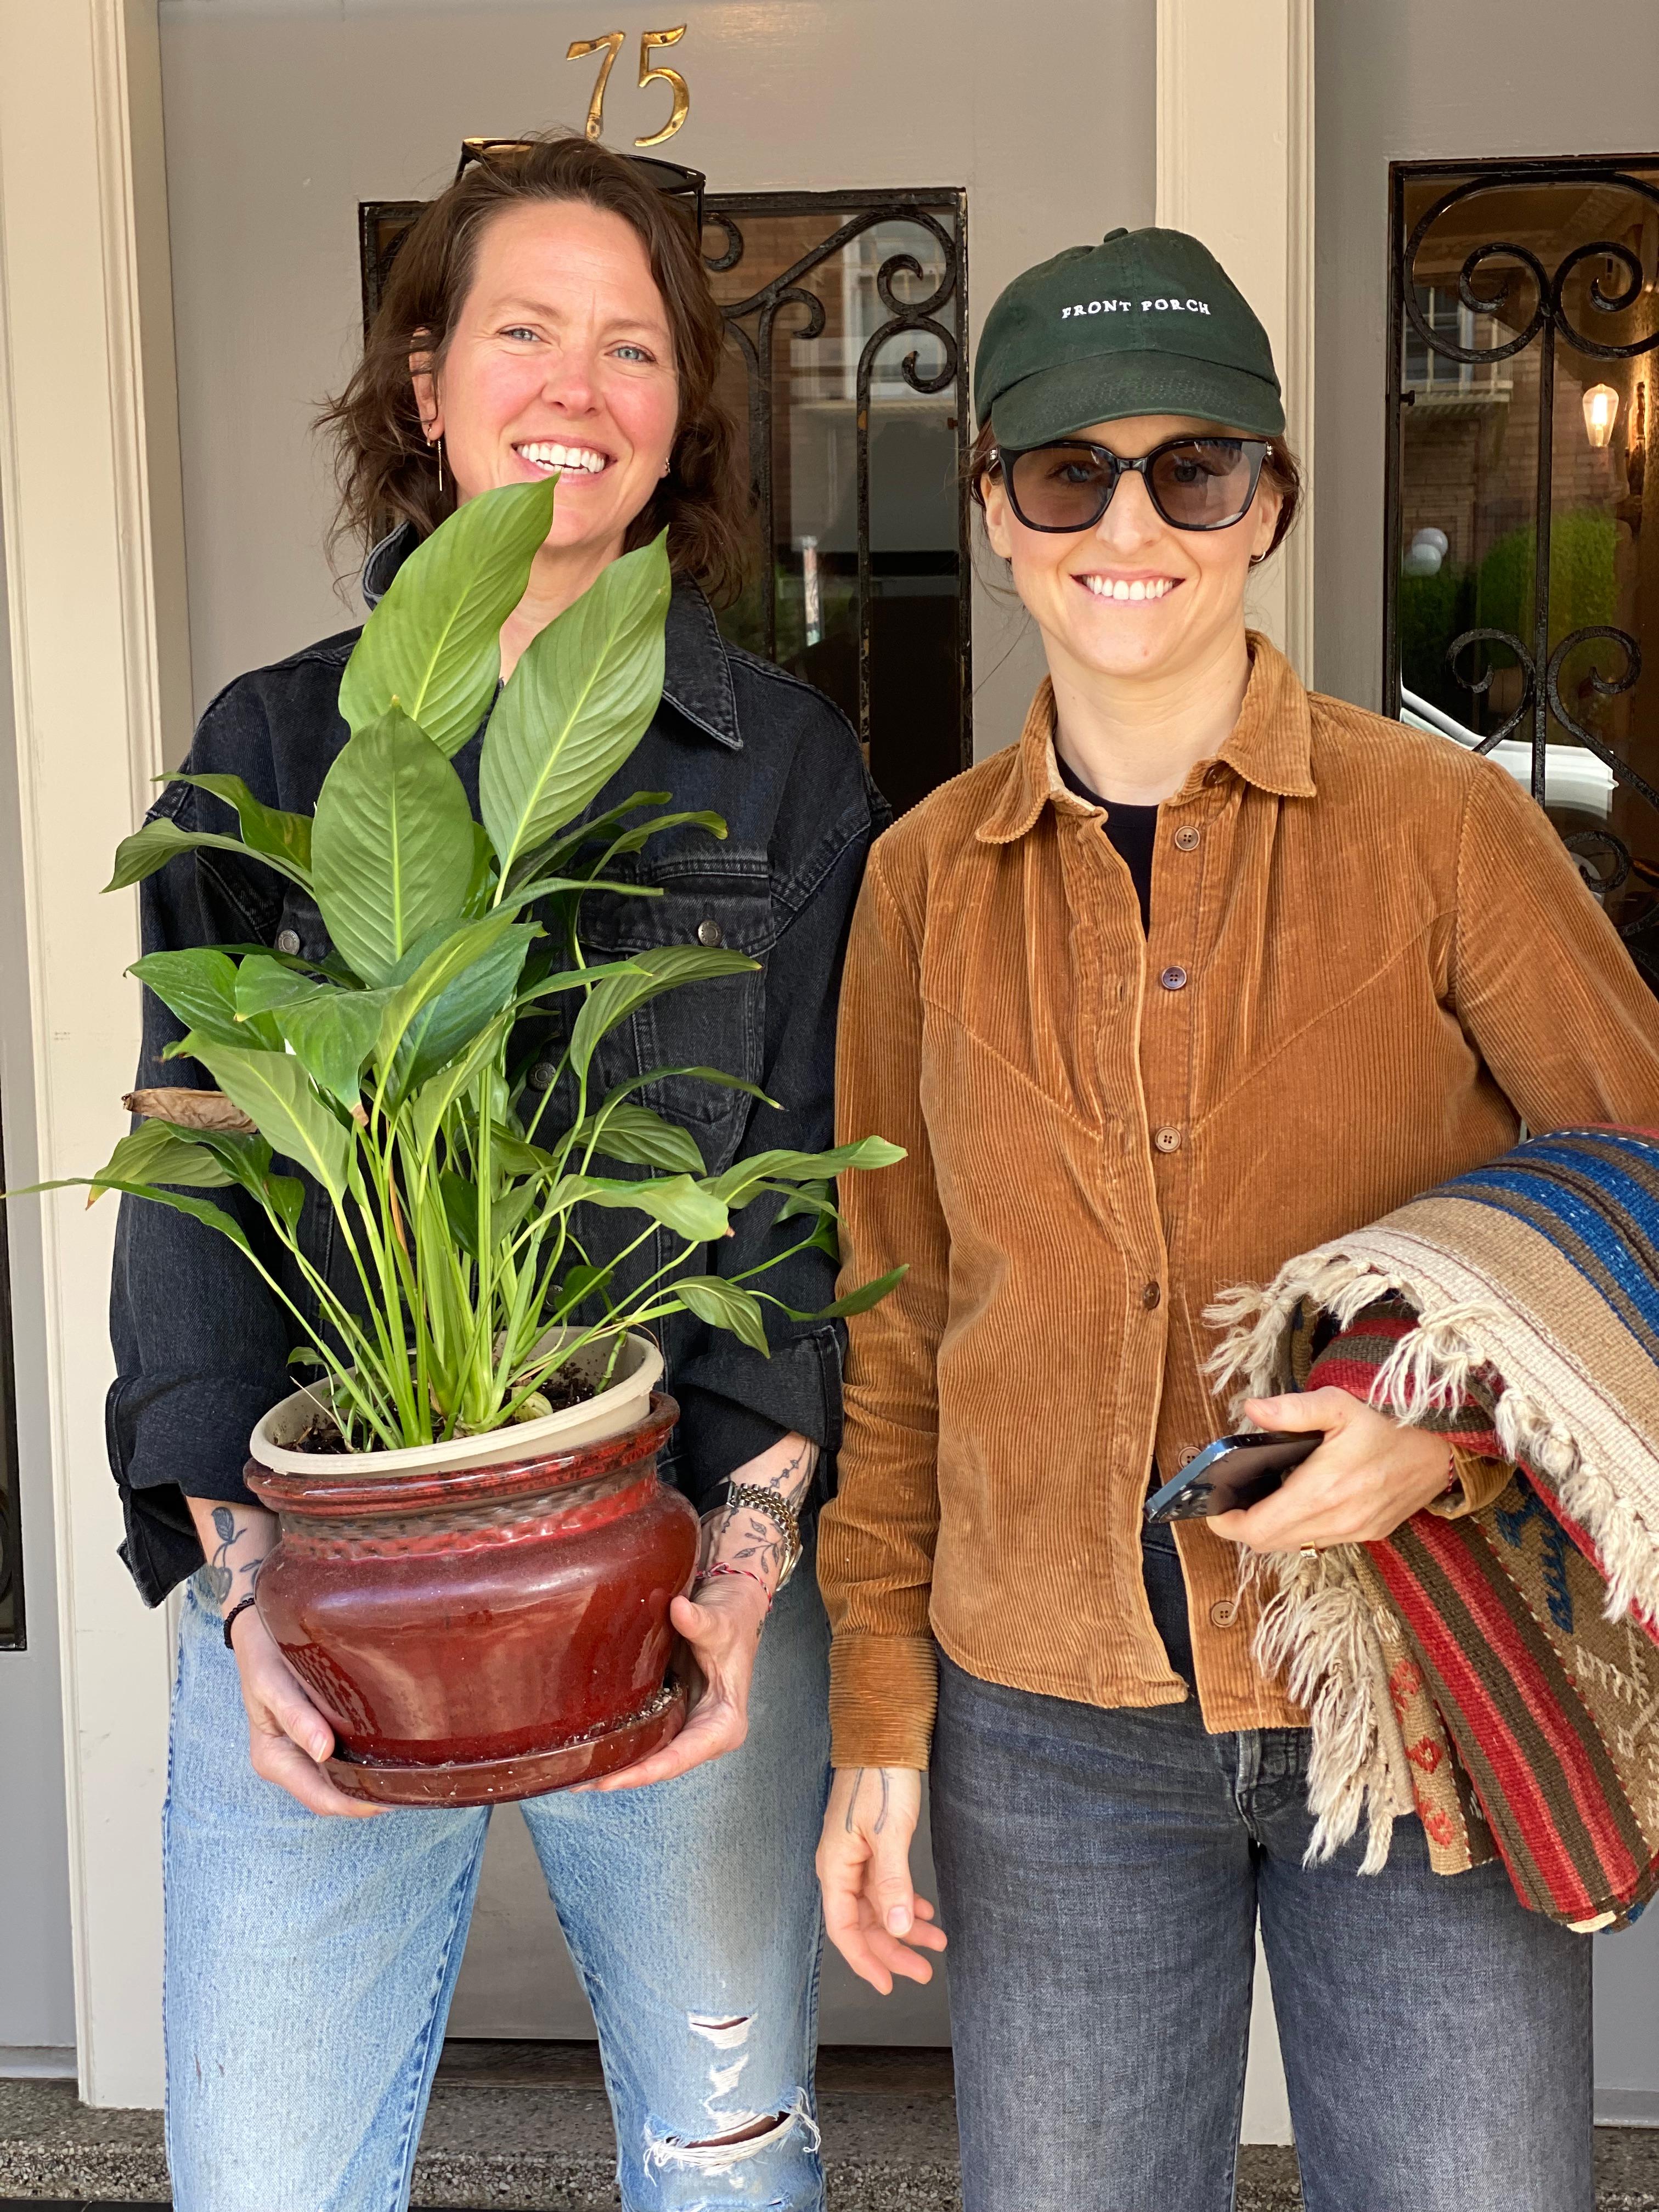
x,y
1194,483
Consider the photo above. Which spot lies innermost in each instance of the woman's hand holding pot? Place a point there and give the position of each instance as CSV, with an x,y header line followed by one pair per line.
x,y
872,1912
721,1628
743,1563
1370,1475
288,1737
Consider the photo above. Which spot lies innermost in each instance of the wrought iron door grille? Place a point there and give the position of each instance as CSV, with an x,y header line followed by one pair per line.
x,y
847,315
1522,532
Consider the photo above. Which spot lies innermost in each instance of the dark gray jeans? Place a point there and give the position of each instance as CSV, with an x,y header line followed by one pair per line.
x,y
1100,1875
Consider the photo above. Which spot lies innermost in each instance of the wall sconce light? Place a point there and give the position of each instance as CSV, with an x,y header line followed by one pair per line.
x,y
1601,412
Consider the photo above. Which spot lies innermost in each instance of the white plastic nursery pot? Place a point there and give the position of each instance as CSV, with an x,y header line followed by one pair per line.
x,y
624,1402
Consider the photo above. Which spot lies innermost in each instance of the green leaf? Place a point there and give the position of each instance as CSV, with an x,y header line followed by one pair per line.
x,y
744,1180
481,885
159,1152
677,1201
447,1024
434,1100
855,1301
265,829
468,945
597,829
810,1198
724,1305
247,1158
582,1282
263,981
514,1157
507,1211
199,1209
715,1075
392,850
641,1139
576,705
633,839
162,840
651,974
198,985
273,1089
433,643
331,1034
541,887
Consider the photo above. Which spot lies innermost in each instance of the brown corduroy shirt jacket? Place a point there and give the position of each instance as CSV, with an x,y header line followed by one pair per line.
x,y
1370,959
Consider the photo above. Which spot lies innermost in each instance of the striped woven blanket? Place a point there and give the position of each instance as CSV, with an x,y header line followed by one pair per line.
x,y
1496,1674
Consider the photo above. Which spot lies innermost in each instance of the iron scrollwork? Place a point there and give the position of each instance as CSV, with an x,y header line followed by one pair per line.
x,y
1604,857
940,313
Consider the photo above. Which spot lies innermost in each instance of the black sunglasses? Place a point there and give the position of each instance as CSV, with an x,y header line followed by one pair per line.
x,y
681,187
1194,483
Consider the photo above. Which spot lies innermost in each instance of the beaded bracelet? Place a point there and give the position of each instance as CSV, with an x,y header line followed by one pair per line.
x,y
719,1567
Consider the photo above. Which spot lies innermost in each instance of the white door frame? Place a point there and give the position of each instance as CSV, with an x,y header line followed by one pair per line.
x,y
1235,167
90,494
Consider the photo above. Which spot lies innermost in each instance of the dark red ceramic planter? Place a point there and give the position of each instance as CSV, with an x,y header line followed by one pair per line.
x,y
486,1632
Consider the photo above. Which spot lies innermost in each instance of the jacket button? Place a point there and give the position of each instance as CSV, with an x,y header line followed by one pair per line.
x,y
1174,979
543,1074
1167,1141
1224,1612
1215,772
709,933
287,940
1186,1455
1188,839
1151,1297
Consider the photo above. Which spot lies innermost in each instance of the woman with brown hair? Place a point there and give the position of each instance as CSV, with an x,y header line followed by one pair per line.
x,y
1203,970
549,311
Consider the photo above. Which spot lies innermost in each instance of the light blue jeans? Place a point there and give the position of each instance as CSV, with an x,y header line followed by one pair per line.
x,y
310,1962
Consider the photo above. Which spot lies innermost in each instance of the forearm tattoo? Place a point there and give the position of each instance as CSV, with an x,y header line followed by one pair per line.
x,y
738,1536
879,1776
242,1546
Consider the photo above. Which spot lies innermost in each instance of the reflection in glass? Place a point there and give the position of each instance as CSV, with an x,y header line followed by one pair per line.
x,y
818,288
1527,325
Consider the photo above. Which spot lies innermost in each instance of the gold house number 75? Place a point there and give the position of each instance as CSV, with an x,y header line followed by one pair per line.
x,y
610,45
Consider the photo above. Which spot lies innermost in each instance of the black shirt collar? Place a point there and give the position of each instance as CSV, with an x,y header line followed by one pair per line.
x,y
696,675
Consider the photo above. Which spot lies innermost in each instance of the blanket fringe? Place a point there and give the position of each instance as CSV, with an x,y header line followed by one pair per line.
x,y
1320,1633
1322,1636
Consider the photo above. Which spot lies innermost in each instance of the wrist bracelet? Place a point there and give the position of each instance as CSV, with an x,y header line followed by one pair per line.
x,y
719,1567
240,1607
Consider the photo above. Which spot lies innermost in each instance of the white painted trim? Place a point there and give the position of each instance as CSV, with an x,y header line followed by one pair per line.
x,y
92,511
36,2062
1235,167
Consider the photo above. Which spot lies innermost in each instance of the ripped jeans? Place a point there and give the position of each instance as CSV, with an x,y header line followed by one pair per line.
x,y
310,1962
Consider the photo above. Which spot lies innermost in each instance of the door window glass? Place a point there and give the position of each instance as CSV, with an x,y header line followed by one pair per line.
x,y
1523,570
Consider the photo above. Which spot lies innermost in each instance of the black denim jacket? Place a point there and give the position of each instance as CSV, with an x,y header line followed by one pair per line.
x,y
202,1347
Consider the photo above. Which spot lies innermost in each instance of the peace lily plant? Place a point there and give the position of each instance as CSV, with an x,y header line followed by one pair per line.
x,y
382,1068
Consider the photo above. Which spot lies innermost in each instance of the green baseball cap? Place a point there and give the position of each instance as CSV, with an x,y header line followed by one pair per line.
x,y
1148,322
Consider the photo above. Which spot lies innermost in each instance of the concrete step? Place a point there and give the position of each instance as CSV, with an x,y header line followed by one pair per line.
x,y
525,2125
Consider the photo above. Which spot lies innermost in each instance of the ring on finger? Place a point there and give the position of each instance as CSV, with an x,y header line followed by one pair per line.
x,y
1310,1551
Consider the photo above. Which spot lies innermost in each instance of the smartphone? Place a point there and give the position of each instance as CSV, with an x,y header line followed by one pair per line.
x,y
1233,1471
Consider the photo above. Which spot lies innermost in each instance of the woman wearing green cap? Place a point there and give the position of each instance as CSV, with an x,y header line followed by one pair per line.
x,y
1202,971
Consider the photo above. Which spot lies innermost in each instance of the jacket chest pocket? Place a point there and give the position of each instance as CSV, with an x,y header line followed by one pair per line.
x,y
716,1022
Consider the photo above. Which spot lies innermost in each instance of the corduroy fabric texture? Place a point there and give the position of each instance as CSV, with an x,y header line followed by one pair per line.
x,y
1521,1309
1370,957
